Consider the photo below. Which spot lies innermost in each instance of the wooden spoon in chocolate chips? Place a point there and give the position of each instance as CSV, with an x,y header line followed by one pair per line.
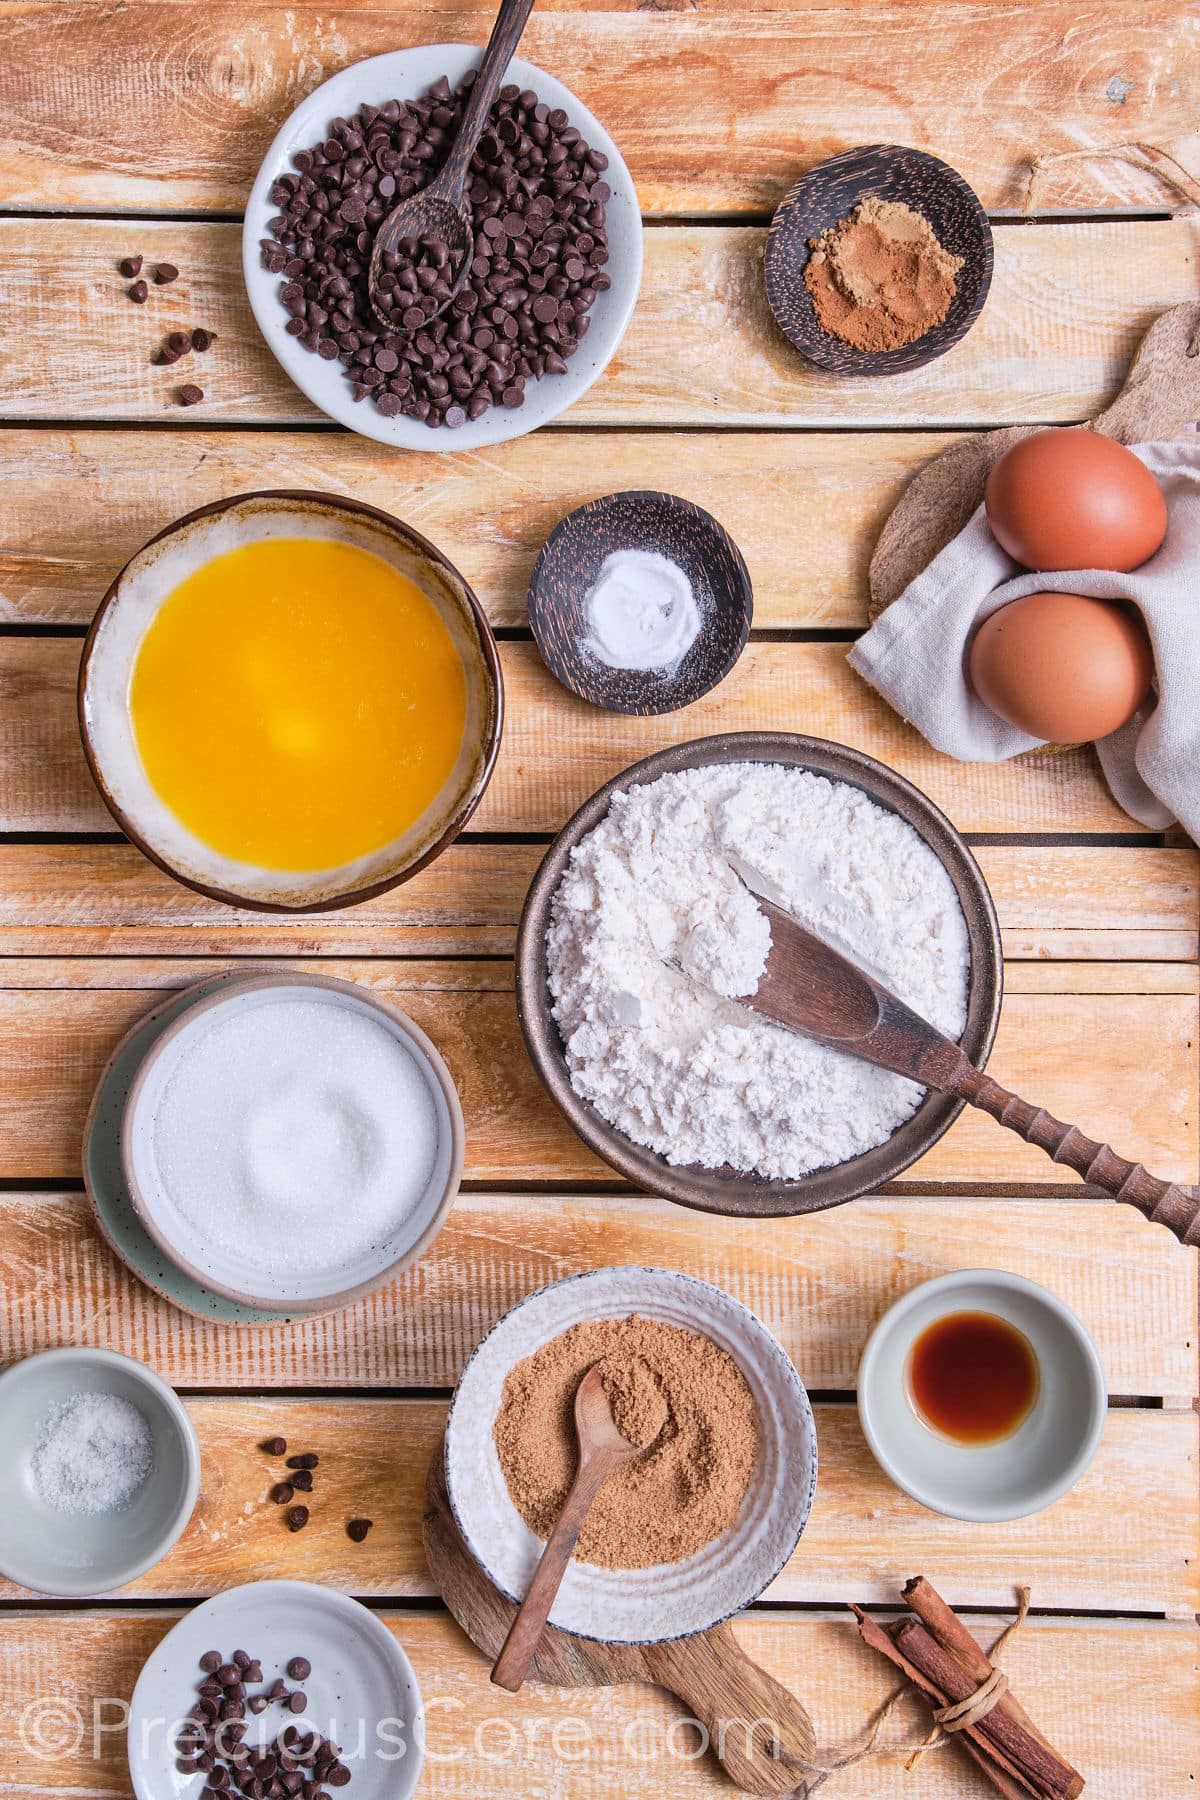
x,y
437,217
602,1451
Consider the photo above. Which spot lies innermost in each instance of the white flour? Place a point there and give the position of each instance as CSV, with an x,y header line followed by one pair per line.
x,y
695,1077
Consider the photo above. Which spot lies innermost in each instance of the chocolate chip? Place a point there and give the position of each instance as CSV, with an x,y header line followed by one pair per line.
x,y
211,1661
163,358
278,1688
130,266
253,1671
297,1518
164,273
357,1529
299,1668
258,1703
339,1775
179,342
203,340
190,395
229,1675
308,1461
536,207
302,1481
283,1493
274,1446
297,1701
138,293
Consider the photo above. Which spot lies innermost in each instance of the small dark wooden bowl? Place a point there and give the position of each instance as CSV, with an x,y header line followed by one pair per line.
x,y
640,519
728,1190
831,191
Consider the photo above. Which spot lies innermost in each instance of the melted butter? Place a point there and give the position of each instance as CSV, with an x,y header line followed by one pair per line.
x,y
297,703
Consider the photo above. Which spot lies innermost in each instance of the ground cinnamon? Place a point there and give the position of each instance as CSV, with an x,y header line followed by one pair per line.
x,y
880,278
670,1388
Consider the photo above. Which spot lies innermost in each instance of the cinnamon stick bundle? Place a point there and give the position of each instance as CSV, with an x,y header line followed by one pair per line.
x,y
942,1660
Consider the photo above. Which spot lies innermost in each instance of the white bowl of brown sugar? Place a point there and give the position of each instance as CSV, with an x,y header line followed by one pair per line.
x,y
688,1533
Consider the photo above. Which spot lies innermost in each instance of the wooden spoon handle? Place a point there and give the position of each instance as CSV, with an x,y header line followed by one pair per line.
x,y
759,1732
524,1634
511,21
1166,1203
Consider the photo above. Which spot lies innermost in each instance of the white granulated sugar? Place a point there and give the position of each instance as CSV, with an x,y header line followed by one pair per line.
x,y
297,1134
92,1453
688,1074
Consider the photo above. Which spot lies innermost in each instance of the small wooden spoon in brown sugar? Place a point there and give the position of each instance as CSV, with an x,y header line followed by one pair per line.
x,y
602,1451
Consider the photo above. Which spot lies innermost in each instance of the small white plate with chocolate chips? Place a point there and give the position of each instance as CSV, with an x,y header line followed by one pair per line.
x,y
540,235
281,1677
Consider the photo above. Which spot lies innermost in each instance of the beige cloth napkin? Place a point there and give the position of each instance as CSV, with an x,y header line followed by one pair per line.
x,y
916,652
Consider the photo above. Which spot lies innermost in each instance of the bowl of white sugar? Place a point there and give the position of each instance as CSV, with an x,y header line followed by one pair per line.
x,y
640,940
100,1472
292,1141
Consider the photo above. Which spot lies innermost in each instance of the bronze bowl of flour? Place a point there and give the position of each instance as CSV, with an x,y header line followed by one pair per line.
x,y
727,1190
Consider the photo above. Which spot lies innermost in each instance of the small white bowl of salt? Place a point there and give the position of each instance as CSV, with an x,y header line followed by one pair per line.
x,y
100,1472
292,1141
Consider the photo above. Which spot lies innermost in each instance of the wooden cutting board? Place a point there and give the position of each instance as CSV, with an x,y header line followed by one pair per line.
x,y
759,1732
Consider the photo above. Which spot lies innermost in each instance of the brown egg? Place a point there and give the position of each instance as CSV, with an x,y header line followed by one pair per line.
x,y
1062,667
1072,499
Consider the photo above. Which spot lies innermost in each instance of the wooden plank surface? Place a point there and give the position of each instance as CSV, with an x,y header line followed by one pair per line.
x,y
557,750
1083,294
1120,1540
803,514
1058,1044
1121,1700
1072,902
172,105
819,1283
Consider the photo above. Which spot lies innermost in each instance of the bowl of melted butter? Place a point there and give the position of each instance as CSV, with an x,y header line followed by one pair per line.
x,y
290,701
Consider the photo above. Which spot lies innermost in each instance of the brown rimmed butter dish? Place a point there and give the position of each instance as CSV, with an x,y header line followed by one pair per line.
x,y
116,634
828,194
728,1190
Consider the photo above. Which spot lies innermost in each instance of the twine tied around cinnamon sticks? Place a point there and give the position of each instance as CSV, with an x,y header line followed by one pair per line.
x,y
968,1695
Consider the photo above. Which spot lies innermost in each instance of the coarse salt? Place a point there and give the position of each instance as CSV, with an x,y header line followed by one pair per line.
x,y
682,1069
91,1454
297,1134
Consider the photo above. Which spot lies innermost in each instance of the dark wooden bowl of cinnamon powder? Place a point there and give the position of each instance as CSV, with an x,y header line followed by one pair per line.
x,y
878,261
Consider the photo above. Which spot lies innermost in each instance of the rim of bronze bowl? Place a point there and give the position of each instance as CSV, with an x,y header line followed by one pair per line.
x,y
727,1190
832,190
319,891
640,519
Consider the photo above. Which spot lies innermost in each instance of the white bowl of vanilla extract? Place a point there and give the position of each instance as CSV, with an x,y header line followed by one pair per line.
x,y
982,1395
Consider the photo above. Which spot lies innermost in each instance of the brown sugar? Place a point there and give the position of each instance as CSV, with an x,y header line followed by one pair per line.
x,y
880,278
672,1389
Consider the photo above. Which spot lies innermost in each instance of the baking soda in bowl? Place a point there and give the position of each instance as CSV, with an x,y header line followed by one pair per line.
x,y
291,1137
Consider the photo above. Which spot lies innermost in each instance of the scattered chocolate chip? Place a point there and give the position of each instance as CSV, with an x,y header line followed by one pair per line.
x,y
297,1518
278,1688
302,1481
283,1493
211,1661
203,340
164,273
130,266
163,358
253,1671
272,1446
190,395
357,1529
339,1775
179,342
138,292
229,1675
258,1703
308,1461
298,1701
299,1668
